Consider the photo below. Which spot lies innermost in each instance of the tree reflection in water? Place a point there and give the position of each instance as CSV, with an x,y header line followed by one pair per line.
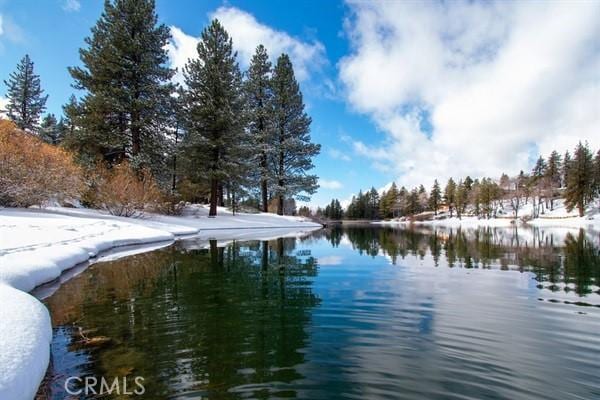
x,y
208,320
234,319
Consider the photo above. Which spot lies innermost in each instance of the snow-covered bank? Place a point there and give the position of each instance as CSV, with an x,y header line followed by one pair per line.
x,y
36,246
559,217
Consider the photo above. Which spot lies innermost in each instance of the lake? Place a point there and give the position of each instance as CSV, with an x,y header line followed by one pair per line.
x,y
358,312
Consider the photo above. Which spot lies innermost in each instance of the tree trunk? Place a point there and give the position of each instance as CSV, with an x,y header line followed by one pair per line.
x,y
263,183
280,204
580,207
135,140
174,182
220,198
214,187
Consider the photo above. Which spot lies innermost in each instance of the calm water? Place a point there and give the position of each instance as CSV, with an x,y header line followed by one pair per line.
x,y
355,313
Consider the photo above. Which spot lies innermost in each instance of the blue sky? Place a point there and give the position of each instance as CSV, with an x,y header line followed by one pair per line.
x,y
405,91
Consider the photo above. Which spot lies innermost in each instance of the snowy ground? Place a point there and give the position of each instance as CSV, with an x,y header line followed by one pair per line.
x,y
559,217
36,246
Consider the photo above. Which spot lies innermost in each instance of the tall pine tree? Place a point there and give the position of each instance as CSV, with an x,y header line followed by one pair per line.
x,y
597,175
26,100
125,111
215,146
292,147
449,195
259,97
553,175
580,180
435,197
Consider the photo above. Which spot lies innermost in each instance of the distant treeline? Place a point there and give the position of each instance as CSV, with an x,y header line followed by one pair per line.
x,y
575,178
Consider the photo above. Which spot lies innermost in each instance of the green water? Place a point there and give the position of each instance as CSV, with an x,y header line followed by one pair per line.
x,y
355,313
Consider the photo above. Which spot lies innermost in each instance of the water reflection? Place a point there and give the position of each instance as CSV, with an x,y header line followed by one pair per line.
x,y
565,260
196,321
341,313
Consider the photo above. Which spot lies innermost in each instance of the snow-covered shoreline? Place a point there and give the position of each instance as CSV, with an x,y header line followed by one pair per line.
x,y
36,246
558,217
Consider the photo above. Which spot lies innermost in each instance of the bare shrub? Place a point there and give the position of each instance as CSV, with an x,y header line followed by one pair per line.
x,y
122,191
33,172
171,204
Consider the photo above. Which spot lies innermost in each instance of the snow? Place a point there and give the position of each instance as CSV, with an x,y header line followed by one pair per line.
x,y
559,217
37,245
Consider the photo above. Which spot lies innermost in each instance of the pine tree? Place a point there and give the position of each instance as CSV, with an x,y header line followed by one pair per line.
x,y
215,148
259,97
460,199
388,200
553,168
449,193
565,168
539,170
412,206
597,174
468,183
553,172
435,197
71,111
50,132
580,183
128,86
26,100
293,149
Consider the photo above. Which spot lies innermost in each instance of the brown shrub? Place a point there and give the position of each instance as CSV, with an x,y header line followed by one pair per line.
x,y
171,204
122,191
33,172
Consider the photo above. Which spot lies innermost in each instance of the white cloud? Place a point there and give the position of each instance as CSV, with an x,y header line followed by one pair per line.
x,y
10,30
498,82
71,5
337,154
330,184
181,48
247,33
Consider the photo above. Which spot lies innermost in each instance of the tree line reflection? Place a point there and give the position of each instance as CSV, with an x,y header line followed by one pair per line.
x,y
232,319
209,321
566,263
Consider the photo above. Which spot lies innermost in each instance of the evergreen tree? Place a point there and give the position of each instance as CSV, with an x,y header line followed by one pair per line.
x,y
372,202
423,199
580,183
468,183
333,210
387,201
597,174
259,97
461,199
126,108
449,193
50,131
553,172
435,197
71,112
26,100
539,170
565,168
553,168
412,206
215,145
293,149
